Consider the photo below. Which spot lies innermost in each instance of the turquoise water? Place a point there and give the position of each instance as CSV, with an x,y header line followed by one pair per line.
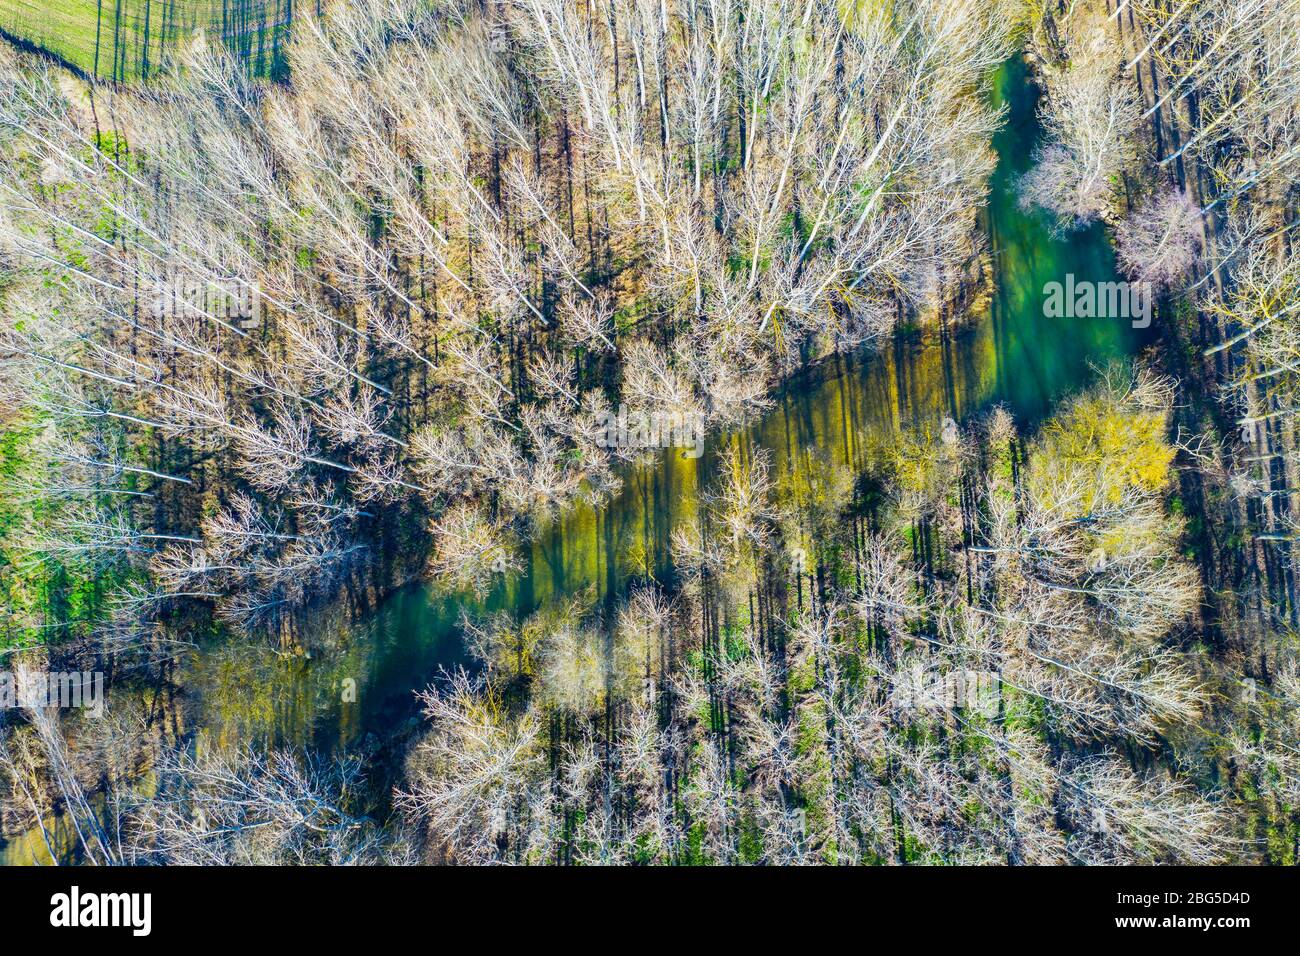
x,y
356,683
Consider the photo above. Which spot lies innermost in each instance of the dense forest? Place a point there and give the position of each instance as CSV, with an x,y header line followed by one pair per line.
x,y
279,345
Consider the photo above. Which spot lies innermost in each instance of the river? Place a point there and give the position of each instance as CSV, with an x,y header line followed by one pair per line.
x,y
355,684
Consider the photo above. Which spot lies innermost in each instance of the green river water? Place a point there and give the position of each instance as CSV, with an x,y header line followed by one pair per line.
x,y
356,687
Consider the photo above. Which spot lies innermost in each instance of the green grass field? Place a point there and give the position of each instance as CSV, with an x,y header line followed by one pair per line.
x,y
130,39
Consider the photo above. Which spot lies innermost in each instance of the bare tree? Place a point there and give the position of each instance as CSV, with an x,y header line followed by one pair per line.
x,y
1158,242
